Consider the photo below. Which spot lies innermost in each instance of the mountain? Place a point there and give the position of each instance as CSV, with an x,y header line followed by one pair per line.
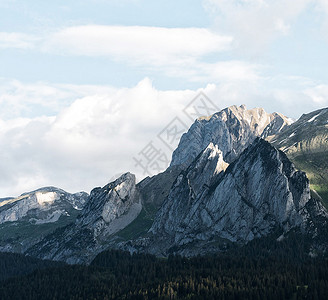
x,y
233,129
108,210
306,143
25,220
226,186
210,205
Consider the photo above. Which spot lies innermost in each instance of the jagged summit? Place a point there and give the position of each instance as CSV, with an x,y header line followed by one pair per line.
x,y
108,210
258,193
232,129
110,202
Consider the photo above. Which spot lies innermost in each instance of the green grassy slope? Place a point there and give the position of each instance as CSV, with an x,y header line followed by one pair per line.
x,y
316,167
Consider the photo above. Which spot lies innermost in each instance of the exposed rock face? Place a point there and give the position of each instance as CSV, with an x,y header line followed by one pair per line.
x,y
112,207
186,190
44,205
25,220
108,210
259,192
233,129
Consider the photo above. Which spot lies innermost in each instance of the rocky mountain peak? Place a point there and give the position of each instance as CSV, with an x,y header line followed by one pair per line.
x,y
110,202
44,205
261,191
211,153
35,214
108,210
205,167
232,129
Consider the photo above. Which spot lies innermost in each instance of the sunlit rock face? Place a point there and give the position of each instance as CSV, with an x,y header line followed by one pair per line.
x,y
108,210
41,205
258,193
233,129
118,202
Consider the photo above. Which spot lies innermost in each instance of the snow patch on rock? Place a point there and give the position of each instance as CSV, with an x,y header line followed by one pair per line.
x,y
46,198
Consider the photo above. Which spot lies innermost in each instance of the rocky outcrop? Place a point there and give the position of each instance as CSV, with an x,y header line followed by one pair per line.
x,y
258,193
233,129
45,205
25,220
108,210
112,207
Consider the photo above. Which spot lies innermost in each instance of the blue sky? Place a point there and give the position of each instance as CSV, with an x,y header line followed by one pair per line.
x,y
40,18
86,84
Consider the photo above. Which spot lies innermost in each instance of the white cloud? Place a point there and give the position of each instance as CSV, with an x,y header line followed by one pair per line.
x,y
152,46
21,99
175,52
88,141
255,23
138,44
318,94
95,136
17,40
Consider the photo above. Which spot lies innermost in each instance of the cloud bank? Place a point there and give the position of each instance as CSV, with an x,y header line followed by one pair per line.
x,y
95,133
178,52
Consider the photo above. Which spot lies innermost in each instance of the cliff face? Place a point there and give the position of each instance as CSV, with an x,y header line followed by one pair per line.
x,y
233,129
108,210
112,207
258,193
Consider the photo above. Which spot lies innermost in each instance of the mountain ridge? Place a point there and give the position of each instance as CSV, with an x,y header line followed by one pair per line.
x,y
28,218
306,143
235,189
222,210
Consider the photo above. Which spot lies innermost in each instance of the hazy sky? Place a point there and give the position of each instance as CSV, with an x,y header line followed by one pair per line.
x,y
87,87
